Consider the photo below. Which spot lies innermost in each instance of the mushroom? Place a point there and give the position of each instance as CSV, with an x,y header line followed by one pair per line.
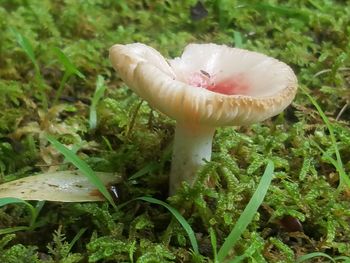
x,y
208,86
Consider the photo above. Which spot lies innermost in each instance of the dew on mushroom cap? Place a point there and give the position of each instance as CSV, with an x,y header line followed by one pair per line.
x,y
208,86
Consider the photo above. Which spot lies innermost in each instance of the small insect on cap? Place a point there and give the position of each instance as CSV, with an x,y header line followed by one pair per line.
x,y
212,85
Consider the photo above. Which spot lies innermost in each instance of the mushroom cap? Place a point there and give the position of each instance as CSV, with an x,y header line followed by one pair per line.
x,y
213,85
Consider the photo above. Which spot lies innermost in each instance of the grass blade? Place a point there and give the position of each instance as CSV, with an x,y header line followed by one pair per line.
x,y
213,242
313,255
83,167
10,230
70,68
256,244
248,213
283,11
99,91
12,200
152,166
179,218
237,37
63,82
337,166
28,49
344,258
76,238
26,46
33,213
344,178
39,206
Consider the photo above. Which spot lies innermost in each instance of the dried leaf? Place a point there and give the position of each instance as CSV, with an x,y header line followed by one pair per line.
x,y
63,186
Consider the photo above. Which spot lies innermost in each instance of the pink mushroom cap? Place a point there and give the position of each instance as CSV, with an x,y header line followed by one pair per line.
x,y
212,85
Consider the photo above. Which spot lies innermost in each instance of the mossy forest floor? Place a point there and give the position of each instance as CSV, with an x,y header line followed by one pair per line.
x,y
312,36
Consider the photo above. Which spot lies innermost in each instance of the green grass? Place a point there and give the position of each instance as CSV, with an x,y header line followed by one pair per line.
x,y
28,49
56,79
248,213
70,70
308,257
344,182
34,213
99,92
233,237
83,167
178,217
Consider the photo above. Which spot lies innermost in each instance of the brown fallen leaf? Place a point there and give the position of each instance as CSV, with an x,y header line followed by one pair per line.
x,y
62,186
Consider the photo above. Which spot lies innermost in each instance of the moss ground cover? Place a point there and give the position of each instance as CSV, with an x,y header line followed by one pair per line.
x,y
55,78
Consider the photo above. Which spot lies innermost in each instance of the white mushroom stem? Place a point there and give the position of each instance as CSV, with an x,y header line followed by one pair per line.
x,y
192,147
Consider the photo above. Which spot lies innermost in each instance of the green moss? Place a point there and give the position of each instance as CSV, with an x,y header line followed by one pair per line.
x,y
311,36
20,253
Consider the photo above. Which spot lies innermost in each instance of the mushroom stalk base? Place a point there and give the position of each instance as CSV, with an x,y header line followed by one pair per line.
x,y
192,147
